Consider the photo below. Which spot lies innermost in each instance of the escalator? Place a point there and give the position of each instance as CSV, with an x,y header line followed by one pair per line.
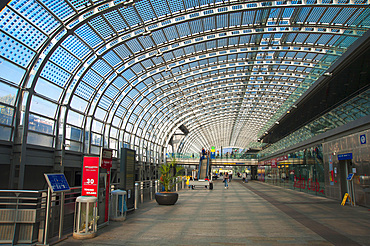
x,y
203,178
203,169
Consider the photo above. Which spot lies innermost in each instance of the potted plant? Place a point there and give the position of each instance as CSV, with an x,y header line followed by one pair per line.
x,y
169,171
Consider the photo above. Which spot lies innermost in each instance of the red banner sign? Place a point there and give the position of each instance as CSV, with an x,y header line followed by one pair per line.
x,y
90,176
274,162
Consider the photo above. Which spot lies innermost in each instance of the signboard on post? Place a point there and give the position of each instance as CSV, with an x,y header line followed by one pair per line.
x,y
57,182
350,177
106,158
90,176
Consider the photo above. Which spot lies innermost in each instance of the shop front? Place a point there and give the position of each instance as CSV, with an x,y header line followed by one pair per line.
x,y
301,170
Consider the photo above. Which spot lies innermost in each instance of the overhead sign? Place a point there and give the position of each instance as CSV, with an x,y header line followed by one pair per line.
x,y
273,162
282,158
213,152
90,176
57,182
347,156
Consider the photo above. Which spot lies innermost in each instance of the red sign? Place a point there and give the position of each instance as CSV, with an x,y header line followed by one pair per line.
x,y
90,176
106,158
106,163
274,162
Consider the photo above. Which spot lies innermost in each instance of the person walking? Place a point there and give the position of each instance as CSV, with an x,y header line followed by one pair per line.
x,y
244,177
226,180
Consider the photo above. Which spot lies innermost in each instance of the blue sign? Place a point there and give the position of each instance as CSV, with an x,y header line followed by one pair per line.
x,y
57,182
363,139
347,156
213,155
350,176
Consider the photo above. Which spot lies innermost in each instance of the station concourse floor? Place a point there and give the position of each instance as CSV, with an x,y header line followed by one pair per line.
x,y
255,213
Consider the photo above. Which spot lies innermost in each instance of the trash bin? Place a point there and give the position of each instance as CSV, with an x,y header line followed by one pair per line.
x,y
86,219
118,205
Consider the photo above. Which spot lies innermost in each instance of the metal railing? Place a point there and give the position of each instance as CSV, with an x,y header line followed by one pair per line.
x,y
23,212
23,215
145,190
20,213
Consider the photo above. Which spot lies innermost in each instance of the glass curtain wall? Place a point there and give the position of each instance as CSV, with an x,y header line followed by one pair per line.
x,y
302,171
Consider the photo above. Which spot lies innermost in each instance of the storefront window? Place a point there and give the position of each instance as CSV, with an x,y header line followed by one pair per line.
x,y
302,170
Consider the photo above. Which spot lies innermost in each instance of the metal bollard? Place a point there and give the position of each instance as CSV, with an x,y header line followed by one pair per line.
x,y
151,189
177,184
136,194
156,186
141,192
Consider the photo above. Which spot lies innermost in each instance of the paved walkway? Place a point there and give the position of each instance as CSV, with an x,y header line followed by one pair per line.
x,y
245,214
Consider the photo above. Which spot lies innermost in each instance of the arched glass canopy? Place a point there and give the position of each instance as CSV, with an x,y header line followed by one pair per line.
x,y
81,74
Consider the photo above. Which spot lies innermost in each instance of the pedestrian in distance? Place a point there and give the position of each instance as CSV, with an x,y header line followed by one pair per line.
x,y
226,180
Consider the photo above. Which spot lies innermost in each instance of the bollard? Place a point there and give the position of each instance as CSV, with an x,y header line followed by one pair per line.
x,y
151,190
177,184
156,186
136,194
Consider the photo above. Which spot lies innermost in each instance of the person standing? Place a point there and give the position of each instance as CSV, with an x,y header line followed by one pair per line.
x,y
226,180
203,153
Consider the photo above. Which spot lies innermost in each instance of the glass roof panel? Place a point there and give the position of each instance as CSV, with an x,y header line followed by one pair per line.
x,y
116,20
242,62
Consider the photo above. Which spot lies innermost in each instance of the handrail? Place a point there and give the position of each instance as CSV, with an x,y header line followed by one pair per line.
x,y
24,191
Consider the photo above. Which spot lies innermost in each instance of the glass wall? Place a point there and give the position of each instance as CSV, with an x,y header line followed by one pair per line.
x,y
302,170
349,111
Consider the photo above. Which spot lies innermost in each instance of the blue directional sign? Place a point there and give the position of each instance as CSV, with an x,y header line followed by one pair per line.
x,y
347,156
350,176
57,182
363,139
